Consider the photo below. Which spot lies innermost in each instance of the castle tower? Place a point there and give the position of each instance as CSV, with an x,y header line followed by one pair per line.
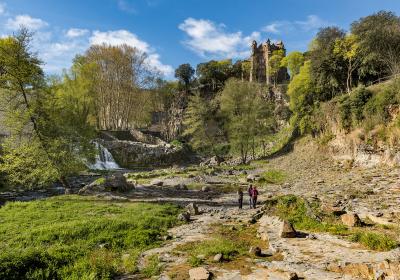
x,y
260,55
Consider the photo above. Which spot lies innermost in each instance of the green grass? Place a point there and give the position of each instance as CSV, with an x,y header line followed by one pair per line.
x,y
72,237
273,177
232,243
295,210
153,267
374,241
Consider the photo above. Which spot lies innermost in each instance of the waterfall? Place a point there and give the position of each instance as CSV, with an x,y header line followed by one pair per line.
x,y
104,159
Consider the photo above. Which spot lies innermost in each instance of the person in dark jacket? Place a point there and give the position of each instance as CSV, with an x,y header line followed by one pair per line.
x,y
240,197
250,192
254,197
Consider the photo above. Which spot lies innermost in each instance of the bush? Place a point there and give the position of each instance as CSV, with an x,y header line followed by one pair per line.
x,y
273,177
374,241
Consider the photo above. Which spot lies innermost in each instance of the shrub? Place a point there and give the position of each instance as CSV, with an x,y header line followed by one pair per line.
x,y
374,241
273,177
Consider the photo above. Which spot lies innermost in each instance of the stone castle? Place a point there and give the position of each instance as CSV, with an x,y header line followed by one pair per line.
x,y
260,55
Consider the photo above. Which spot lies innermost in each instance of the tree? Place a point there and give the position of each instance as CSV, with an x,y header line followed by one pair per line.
x,y
347,49
275,64
327,69
213,74
200,124
122,83
301,93
43,145
184,73
245,113
378,37
293,61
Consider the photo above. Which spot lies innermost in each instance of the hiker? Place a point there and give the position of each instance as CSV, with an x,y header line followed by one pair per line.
x,y
240,197
254,197
250,192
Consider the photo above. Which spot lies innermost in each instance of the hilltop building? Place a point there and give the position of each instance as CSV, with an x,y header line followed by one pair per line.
x,y
259,60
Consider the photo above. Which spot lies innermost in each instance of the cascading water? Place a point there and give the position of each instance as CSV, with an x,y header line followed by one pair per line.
x,y
104,159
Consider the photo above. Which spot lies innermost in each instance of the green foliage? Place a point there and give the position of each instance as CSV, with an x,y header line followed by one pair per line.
x,y
213,74
294,209
273,177
200,124
327,69
293,61
73,237
153,267
302,98
374,241
50,133
378,36
351,107
275,64
246,115
184,73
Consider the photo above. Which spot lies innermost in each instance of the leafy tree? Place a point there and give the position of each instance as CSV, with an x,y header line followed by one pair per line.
x,y
122,83
275,64
184,73
200,124
43,145
327,69
347,49
378,36
293,61
246,115
213,74
302,98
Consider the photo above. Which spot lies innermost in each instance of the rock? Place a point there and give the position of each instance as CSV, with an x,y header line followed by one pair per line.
x,y
216,160
192,208
114,183
218,258
256,251
291,276
157,182
287,230
167,237
185,217
199,273
67,191
180,187
351,220
205,189
250,178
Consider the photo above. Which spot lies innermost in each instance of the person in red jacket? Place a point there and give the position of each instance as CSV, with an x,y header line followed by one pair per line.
x,y
254,197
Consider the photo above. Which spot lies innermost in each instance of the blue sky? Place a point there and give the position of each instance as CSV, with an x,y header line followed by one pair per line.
x,y
173,32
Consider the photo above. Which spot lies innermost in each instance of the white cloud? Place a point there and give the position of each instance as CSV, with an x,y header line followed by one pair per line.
x,y
26,21
2,8
208,38
125,6
119,37
76,32
311,23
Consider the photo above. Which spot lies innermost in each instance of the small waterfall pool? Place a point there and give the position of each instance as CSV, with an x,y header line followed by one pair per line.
x,y
104,159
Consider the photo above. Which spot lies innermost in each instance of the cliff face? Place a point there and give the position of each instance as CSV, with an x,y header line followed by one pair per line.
x,y
135,150
134,155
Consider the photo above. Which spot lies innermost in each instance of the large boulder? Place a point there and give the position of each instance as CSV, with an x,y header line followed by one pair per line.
x,y
287,230
351,220
199,273
113,183
193,209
